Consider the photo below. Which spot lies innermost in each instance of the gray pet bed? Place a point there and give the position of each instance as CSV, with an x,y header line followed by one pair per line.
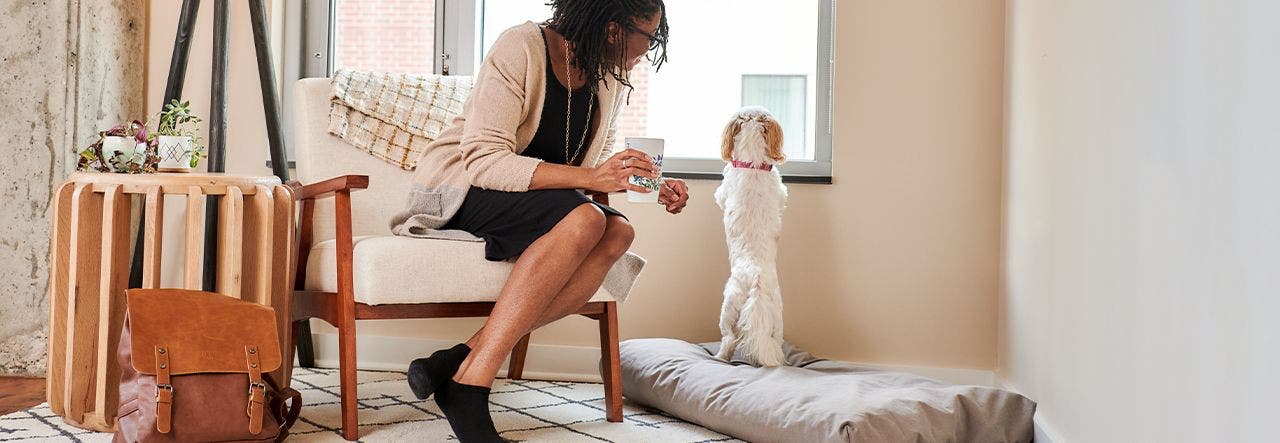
x,y
815,400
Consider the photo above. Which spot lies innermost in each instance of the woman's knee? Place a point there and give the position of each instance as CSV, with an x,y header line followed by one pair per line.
x,y
618,235
586,221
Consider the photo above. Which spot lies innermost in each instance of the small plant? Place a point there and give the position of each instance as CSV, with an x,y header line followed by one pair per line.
x,y
177,120
133,162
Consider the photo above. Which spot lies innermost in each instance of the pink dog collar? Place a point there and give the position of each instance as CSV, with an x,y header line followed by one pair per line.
x,y
745,165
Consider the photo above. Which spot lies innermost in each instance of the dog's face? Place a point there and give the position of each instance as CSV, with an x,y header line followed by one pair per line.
x,y
753,136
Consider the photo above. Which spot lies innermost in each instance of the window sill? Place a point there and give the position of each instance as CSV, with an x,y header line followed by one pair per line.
x,y
804,179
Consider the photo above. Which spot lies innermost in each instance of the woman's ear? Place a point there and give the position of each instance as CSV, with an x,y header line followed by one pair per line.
x,y
611,33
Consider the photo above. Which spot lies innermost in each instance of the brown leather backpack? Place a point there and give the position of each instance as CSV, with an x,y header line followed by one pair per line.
x,y
193,367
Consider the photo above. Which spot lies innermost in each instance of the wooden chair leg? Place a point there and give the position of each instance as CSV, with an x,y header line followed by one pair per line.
x,y
516,370
292,350
610,363
346,315
347,373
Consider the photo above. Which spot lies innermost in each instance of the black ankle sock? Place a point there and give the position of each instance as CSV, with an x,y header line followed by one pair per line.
x,y
467,408
427,375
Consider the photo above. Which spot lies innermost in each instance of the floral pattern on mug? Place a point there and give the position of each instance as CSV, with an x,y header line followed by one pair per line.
x,y
653,184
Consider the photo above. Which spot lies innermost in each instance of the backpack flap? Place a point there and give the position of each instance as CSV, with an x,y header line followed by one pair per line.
x,y
202,332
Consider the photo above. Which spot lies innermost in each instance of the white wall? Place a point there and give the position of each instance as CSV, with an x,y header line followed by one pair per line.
x,y
1142,234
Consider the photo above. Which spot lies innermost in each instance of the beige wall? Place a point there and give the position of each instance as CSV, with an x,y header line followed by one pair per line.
x,y
895,263
246,136
1140,282
247,129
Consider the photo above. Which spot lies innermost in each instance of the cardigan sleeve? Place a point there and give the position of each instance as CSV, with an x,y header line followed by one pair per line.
x,y
610,139
488,141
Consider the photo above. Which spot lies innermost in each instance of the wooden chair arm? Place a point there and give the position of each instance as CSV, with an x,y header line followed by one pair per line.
x,y
320,189
340,188
599,197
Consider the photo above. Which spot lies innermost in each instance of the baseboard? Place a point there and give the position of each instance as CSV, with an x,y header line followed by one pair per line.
x,y
1044,432
1043,429
553,362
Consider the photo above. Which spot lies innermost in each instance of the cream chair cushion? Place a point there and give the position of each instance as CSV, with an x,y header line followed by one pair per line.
x,y
398,270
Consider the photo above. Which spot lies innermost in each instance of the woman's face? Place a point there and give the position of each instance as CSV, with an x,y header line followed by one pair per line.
x,y
638,36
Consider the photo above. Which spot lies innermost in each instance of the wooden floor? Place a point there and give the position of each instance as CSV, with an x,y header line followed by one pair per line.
x,y
18,393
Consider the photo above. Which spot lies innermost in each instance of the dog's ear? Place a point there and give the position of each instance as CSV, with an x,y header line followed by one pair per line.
x,y
730,131
773,139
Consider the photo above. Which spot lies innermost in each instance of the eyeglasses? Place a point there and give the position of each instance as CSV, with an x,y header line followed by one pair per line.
x,y
654,41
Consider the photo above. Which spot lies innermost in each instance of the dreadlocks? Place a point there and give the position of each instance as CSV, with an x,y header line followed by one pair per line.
x,y
585,24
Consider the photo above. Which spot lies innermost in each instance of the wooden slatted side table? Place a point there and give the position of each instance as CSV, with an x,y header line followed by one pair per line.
x,y
90,250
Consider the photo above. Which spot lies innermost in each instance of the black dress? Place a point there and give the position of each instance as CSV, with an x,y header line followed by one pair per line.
x,y
511,221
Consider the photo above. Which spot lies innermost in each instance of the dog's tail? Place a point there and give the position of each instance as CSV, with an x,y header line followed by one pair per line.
x,y
761,326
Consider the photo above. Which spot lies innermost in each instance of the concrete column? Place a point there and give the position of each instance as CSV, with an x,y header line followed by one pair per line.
x,y
68,68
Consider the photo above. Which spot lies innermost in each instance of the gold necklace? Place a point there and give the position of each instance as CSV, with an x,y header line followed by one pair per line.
x,y
568,76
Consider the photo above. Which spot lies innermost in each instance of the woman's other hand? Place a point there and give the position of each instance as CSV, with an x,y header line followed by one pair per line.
x,y
614,175
675,194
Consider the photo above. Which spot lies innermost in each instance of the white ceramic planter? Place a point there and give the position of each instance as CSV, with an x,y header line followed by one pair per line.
x,y
135,152
175,153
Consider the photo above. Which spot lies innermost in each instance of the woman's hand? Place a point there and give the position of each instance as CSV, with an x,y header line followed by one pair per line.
x,y
675,194
615,174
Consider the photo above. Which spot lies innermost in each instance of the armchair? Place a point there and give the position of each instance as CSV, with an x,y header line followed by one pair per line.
x,y
363,272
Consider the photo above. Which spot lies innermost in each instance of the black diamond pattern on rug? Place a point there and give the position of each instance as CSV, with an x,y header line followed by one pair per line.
x,y
523,410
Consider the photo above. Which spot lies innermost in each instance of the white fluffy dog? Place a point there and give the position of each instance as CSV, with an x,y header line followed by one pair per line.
x,y
752,196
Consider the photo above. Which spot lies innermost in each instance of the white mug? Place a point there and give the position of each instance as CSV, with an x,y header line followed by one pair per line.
x,y
654,147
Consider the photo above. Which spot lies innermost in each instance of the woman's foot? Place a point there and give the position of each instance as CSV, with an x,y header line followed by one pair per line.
x,y
467,408
427,375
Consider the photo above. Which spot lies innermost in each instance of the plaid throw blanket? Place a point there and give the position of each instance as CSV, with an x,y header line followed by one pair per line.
x,y
394,116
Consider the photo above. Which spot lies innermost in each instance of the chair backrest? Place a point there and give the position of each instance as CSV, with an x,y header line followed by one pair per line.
x,y
321,155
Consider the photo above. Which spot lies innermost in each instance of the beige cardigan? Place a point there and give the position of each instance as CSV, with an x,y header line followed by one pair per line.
x,y
482,145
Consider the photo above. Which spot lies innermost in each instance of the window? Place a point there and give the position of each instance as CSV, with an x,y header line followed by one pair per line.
x,y
786,97
384,35
724,54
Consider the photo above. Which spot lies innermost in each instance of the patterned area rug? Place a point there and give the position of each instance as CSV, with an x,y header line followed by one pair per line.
x,y
534,411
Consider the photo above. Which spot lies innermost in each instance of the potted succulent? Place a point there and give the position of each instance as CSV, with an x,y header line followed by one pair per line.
x,y
123,148
178,147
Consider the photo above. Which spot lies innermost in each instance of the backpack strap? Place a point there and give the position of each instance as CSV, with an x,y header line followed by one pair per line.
x,y
164,392
287,412
257,390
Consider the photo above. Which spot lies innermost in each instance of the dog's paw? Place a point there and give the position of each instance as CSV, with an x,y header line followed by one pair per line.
x,y
728,345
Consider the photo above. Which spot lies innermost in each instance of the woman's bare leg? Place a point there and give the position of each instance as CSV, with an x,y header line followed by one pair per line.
x,y
537,278
618,235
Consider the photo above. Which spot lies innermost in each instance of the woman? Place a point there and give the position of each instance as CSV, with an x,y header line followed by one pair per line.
x,y
511,169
